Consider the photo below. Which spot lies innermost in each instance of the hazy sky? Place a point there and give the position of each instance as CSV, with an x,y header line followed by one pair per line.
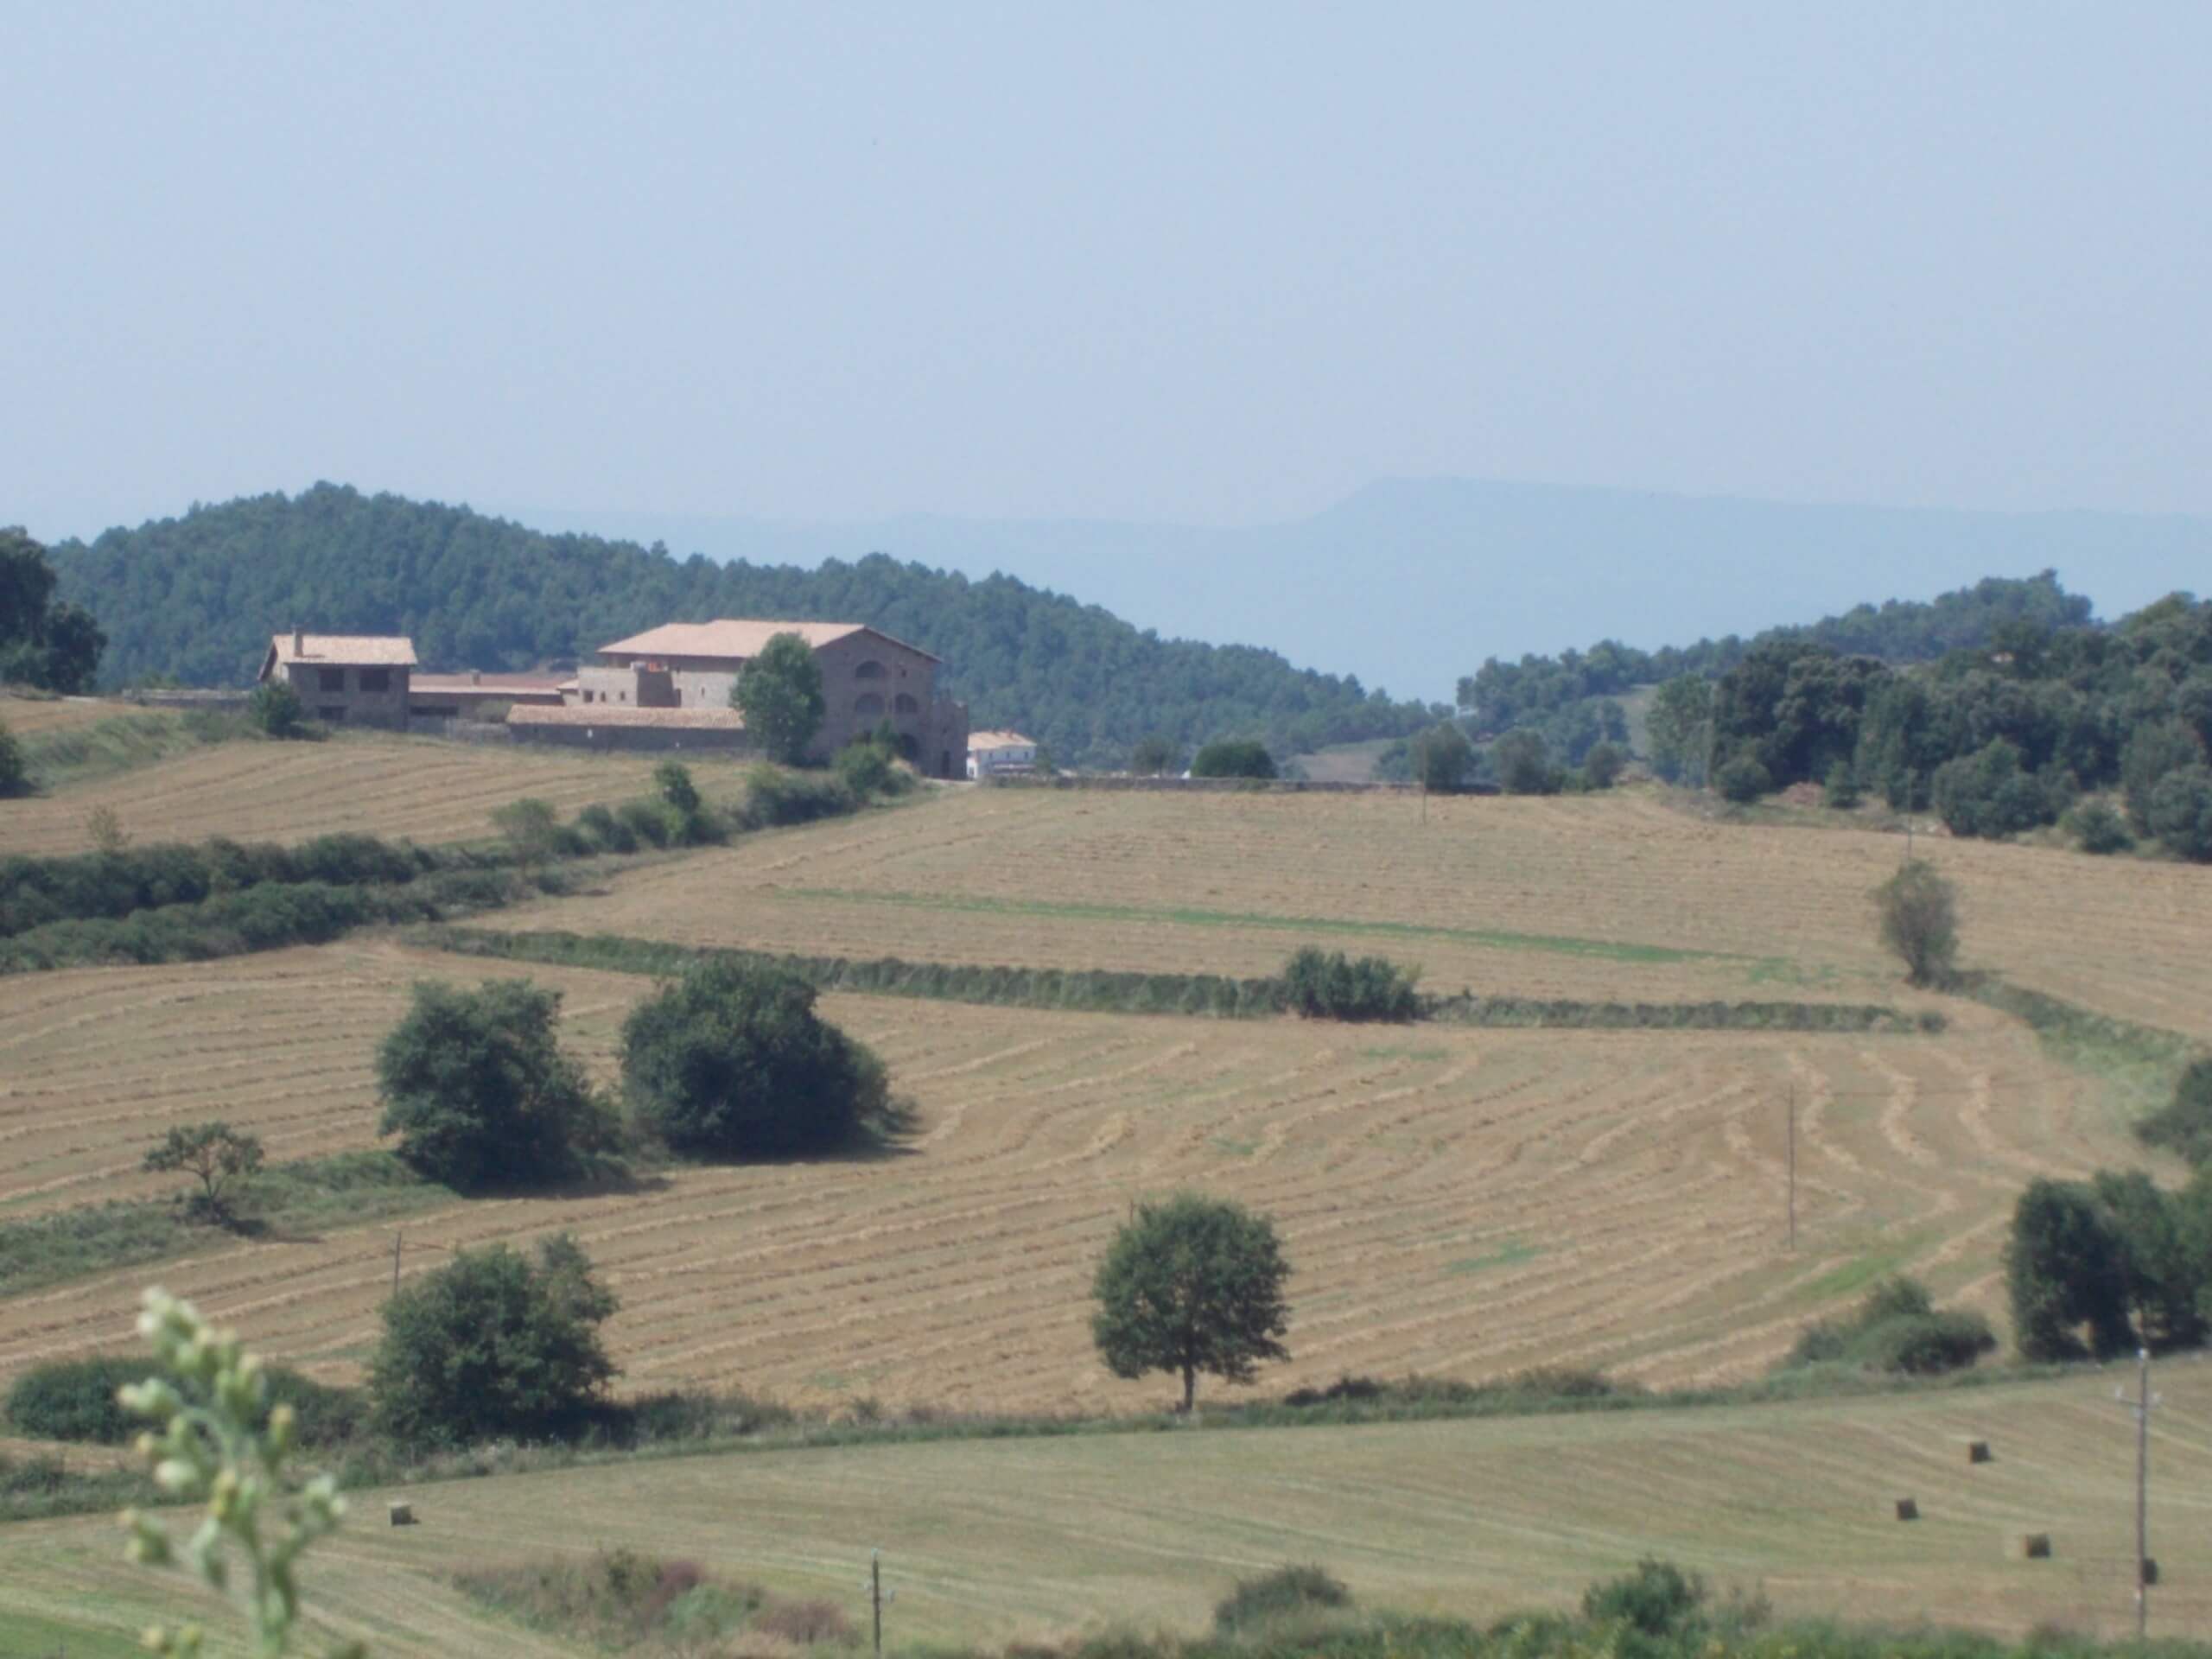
x,y
1220,263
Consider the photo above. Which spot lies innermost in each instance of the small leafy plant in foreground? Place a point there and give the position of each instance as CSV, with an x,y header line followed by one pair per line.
x,y
205,1445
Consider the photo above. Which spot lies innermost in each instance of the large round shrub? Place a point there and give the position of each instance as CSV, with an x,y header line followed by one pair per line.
x,y
1743,780
731,1061
479,1091
1234,757
493,1345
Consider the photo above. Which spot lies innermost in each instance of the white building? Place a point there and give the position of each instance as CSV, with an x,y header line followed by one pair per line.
x,y
997,754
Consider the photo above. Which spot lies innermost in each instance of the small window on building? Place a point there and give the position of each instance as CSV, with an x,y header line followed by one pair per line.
x,y
376,679
868,703
587,696
870,670
330,679
907,705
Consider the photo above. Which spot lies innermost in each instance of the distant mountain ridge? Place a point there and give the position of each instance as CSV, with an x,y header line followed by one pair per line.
x,y
1410,583
196,598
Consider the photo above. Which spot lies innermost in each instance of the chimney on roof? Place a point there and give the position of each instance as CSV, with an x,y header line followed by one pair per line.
x,y
299,643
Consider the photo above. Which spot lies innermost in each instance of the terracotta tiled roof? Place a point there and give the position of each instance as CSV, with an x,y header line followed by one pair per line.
x,y
611,715
369,650
978,741
737,637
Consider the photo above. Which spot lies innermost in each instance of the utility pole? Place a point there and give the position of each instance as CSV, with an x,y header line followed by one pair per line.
x,y
1792,1161
2141,1405
876,1595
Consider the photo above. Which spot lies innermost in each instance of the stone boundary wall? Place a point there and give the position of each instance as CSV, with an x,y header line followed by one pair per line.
x,y
222,699
455,729
644,740
1217,786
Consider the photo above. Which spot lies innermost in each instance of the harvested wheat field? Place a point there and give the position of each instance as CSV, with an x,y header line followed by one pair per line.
x,y
30,717
366,784
1620,896
1000,1540
96,1065
1454,1202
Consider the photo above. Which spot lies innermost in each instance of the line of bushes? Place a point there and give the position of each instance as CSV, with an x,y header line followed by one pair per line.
x,y
1563,1013
178,902
1090,990
266,917
76,1400
82,887
1103,991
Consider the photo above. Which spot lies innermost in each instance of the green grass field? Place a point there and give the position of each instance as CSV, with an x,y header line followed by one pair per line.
x,y
993,1541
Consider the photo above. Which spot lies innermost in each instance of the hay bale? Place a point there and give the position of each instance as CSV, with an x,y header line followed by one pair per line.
x,y
403,1515
1978,1451
2035,1546
1907,1510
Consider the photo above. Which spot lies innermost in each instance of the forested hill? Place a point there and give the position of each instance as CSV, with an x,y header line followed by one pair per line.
x,y
1502,695
196,599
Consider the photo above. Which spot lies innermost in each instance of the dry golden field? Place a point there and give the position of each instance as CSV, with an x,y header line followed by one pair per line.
x,y
288,791
993,1541
1615,896
26,716
1454,1202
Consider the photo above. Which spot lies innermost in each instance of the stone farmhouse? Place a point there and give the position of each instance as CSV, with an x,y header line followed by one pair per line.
x,y
670,687
344,679
667,688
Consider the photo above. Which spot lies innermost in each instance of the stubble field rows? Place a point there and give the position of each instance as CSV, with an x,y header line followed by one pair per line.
x,y
26,716
289,792
1454,1203
1622,896
992,1541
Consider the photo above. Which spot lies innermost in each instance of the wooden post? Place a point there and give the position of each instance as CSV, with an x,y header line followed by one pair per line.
x,y
396,1236
1792,1160
875,1596
2142,1493
2141,1405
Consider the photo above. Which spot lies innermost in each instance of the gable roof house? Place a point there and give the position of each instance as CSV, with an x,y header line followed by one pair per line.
x,y
353,679
1000,755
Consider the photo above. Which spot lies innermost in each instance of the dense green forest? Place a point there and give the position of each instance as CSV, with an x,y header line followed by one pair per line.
x,y
1997,738
195,599
1571,702
1501,696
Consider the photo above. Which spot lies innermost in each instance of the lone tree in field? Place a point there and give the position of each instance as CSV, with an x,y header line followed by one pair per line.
x,y
1154,755
1442,758
1191,1285
478,1090
1920,921
733,1062
223,1159
492,1344
1234,757
779,694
